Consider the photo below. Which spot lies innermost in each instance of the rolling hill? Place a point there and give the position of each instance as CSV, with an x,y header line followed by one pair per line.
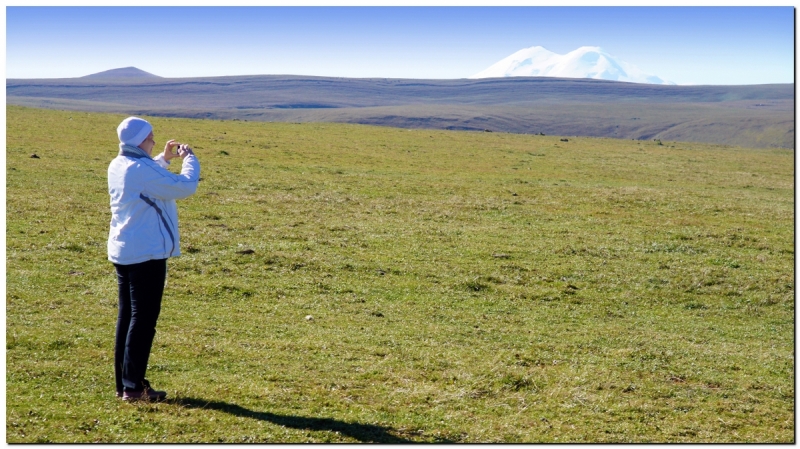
x,y
751,116
125,72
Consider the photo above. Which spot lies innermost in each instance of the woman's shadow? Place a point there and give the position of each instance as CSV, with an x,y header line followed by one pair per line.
x,y
360,432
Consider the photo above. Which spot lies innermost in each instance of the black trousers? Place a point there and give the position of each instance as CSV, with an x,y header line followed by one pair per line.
x,y
141,287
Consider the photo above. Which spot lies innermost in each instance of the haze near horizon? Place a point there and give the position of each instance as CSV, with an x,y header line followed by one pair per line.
x,y
686,45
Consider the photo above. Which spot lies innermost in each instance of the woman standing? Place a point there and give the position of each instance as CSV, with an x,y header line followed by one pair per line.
x,y
143,235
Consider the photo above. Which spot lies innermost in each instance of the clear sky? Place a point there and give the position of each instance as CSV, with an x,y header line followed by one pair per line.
x,y
685,45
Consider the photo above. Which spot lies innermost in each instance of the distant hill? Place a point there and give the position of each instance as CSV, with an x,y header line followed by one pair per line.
x,y
759,116
125,72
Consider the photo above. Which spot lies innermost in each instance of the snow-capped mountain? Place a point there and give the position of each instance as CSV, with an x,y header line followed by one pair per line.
x,y
585,62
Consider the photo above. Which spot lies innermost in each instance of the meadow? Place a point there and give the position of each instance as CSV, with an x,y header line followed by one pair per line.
x,y
755,116
353,283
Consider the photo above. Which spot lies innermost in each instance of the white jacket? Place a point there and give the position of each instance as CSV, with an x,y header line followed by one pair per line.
x,y
144,216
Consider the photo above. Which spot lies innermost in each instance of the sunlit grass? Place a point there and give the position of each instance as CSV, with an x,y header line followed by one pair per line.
x,y
466,287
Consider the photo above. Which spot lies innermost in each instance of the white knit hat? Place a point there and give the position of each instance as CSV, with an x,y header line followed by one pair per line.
x,y
133,130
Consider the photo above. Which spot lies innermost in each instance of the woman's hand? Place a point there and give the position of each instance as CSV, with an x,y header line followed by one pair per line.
x,y
168,154
184,151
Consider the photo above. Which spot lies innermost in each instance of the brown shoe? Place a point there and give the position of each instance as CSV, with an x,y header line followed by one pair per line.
x,y
146,394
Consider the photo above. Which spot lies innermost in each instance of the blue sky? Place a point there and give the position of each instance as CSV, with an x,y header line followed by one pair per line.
x,y
686,45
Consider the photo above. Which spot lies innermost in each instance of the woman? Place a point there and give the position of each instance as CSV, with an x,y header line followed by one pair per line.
x,y
144,233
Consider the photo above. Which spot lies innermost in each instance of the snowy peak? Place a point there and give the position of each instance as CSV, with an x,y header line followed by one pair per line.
x,y
585,62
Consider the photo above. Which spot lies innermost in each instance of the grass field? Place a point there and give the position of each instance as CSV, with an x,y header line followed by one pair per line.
x,y
755,116
464,287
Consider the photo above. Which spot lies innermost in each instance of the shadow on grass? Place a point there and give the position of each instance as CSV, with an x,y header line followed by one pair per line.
x,y
360,432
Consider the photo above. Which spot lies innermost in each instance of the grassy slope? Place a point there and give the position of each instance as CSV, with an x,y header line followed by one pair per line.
x,y
743,125
464,286
298,91
753,116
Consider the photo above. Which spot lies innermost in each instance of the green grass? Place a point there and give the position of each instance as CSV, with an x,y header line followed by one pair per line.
x,y
464,287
